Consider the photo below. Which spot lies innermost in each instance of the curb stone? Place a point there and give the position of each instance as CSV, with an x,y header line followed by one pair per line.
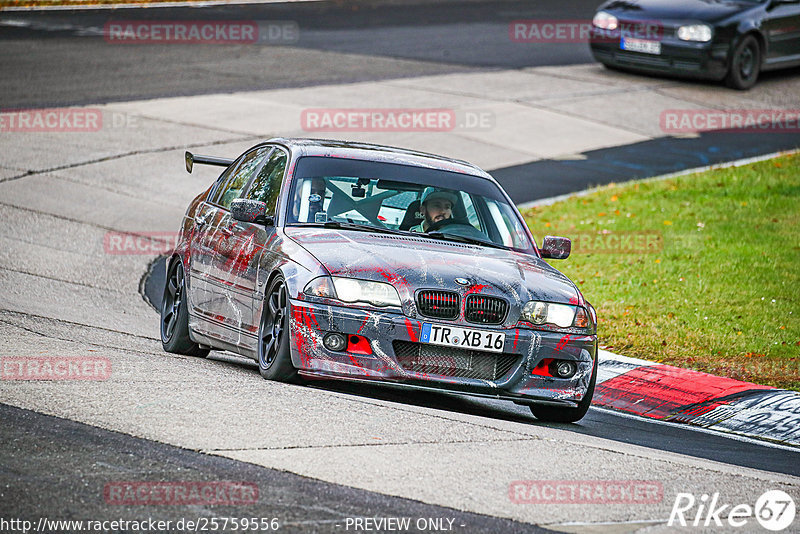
x,y
667,393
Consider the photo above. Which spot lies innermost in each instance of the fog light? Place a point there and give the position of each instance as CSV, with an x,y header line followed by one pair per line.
x,y
563,368
335,341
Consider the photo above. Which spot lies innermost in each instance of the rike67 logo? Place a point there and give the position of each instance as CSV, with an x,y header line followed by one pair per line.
x,y
774,510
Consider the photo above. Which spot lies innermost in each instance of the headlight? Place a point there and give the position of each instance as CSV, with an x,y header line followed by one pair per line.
x,y
695,32
561,315
352,290
375,293
320,287
592,313
605,21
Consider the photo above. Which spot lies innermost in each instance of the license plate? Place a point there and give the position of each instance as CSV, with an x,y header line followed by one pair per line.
x,y
463,338
641,45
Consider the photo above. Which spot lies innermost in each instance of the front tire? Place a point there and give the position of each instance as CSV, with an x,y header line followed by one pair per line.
x,y
274,358
175,315
555,414
745,64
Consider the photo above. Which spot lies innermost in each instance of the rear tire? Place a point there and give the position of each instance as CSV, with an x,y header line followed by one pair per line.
x,y
175,315
556,414
274,358
745,64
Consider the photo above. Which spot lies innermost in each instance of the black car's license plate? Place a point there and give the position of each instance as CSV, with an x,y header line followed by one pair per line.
x,y
464,338
640,45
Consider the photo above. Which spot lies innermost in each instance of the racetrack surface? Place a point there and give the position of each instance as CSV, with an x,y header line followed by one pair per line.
x,y
338,42
65,292
59,448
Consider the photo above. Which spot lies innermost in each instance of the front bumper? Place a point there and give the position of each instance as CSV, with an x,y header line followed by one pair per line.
x,y
517,374
682,58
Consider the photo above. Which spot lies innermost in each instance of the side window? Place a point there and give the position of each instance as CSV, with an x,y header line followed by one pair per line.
x,y
469,207
267,185
232,188
222,180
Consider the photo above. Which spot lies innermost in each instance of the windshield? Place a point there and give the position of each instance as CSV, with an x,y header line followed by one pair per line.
x,y
374,196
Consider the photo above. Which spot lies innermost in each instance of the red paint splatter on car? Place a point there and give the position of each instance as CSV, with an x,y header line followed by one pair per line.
x,y
304,342
411,334
476,288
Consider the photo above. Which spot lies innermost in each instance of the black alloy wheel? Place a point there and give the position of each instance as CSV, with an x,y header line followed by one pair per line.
x,y
274,359
175,315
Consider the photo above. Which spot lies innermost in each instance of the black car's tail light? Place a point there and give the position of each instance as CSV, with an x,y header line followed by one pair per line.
x,y
485,310
438,304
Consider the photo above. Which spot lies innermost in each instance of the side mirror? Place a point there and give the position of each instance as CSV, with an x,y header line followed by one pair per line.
x,y
251,211
557,248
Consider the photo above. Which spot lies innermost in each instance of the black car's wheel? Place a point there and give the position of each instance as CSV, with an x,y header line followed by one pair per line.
x,y
175,315
555,414
274,360
745,64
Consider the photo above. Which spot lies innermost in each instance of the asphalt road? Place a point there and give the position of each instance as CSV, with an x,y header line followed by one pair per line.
x,y
57,449
655,157
337,42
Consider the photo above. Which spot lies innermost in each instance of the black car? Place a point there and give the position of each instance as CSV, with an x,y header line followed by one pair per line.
x,y
710,39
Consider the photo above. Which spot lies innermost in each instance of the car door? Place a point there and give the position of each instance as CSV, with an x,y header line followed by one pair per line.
x,y
782,30
201,251
255,240
215,285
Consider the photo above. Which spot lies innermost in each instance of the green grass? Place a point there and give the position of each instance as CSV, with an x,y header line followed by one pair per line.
x,y
719,293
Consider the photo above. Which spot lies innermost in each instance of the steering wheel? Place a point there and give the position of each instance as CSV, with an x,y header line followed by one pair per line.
x,y
460,227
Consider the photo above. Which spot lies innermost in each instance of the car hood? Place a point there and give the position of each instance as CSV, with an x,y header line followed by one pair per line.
x,y
704,10
411,263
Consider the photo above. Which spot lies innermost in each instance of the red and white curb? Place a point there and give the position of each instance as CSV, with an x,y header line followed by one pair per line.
x,y
668,393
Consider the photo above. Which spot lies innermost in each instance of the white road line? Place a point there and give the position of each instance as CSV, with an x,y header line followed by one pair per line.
x,y
602,523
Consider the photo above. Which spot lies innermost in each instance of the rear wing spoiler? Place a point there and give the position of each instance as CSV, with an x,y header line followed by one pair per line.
x,y
191,159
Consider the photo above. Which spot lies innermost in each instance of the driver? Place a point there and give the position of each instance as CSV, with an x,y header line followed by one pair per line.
x,y
437,205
